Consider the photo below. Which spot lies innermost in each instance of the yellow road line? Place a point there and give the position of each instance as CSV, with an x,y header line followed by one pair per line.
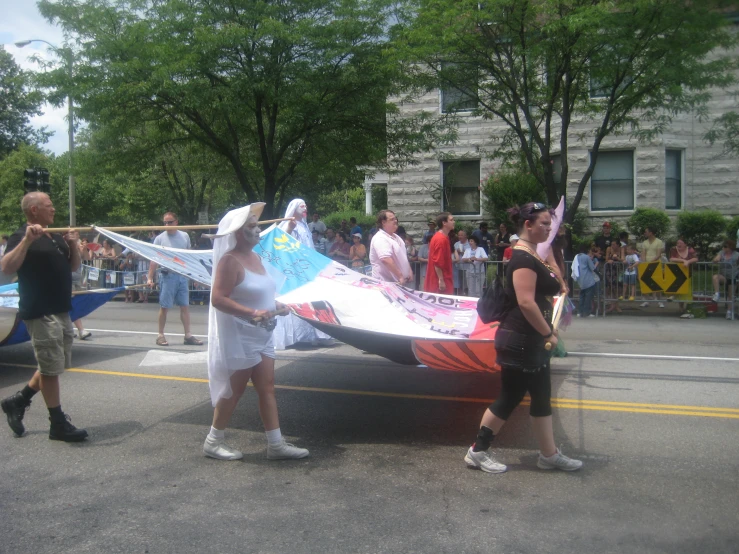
x,y
562,403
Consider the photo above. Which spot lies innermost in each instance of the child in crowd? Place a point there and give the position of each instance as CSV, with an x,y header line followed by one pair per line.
x,y
630,262
509,251
587,278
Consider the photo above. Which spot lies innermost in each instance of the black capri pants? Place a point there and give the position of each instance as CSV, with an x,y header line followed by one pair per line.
x,y
515,382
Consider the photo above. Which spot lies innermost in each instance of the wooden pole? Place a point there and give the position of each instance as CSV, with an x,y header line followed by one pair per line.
x,y
561,299
154,227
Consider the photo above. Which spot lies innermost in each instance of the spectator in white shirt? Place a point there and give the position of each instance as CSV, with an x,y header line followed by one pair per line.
x,y
460,247
474,260
388,255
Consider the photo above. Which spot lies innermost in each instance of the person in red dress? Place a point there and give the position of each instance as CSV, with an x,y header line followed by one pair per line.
x,y
439,273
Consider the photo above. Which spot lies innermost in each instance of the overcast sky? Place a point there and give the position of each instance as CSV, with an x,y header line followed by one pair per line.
x,y
20,20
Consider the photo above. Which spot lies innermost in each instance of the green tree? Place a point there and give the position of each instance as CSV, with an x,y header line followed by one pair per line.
x,y
701,229
656,220
507,188
281,92
541,66
12,191
158,174
19,101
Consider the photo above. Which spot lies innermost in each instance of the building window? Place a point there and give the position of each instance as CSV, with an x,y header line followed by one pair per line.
x,y
612,182
673,179
456,99
461,187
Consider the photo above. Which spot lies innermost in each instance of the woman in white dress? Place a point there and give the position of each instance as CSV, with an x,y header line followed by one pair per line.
x,y
291,329
240,346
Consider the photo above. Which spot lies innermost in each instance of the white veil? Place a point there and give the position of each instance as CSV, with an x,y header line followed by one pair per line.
x,y
225,356
301,231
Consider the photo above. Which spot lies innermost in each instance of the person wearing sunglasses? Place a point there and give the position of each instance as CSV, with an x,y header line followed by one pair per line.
x,y
44,262
173,287
522,343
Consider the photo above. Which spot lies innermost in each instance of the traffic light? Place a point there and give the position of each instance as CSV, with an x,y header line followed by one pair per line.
x,y
36,179
43,175
30,180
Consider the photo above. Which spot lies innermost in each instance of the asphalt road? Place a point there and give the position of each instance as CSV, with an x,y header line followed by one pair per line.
x,y
650,404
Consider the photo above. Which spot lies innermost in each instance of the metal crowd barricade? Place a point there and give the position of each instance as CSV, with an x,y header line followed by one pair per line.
x,y
701,287
106,273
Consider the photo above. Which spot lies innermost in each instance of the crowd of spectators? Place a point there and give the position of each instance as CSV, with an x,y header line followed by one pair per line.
x,y
615,263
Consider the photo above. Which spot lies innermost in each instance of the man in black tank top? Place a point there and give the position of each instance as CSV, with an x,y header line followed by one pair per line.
x,y
44,263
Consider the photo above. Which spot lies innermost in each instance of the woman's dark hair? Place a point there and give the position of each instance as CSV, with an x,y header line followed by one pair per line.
x,y
474,239
527,212
341,234
731,244
624,235
584,248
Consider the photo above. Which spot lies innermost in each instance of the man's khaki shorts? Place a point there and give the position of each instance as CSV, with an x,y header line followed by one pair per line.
x,y
52,337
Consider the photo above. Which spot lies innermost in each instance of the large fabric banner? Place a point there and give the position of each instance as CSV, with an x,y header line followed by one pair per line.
x,y
383,318
12,328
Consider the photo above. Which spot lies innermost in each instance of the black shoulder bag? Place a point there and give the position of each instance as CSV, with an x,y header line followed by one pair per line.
x,y
491,307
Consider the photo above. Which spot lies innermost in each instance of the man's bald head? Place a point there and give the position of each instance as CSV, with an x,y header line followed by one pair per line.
x,y
33,199
38,208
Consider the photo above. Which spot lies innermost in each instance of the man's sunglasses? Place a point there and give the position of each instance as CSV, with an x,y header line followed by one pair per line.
x,y
174,222
538,207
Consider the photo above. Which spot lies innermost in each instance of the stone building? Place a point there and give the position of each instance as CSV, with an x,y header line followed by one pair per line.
x,y
676,171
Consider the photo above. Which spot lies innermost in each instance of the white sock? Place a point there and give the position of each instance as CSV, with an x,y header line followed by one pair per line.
x,y
216,434
274,437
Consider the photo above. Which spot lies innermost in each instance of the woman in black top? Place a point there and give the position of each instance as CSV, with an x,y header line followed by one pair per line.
x,y
520,343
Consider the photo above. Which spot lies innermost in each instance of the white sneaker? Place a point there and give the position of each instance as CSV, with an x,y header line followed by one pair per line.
x,y
558,461
85,335
217,448
285,451
661,305
715,297
644,304
728,315
591,315
482,460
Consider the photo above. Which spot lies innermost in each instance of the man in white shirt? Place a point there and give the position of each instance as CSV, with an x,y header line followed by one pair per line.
x,y
388,256
318,226
173,287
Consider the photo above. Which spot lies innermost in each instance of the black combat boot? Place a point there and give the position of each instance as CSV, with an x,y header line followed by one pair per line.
x,y
15,408
62,429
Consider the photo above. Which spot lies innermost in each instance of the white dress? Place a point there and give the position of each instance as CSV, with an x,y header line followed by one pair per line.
x,y
291,329
241,344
